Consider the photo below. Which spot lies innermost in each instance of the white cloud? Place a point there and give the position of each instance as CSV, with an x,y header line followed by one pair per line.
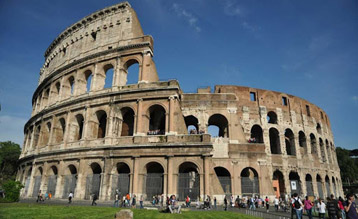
x,y
190,18
249,27
231,9
11,129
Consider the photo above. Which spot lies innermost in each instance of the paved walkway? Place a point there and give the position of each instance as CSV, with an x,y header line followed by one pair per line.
x,y
259,212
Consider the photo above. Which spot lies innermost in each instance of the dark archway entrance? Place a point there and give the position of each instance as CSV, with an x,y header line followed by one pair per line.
x,y
70,181
121,180
189,181
249,181
309,185
295,183
224,177
279,183
93,183
154,180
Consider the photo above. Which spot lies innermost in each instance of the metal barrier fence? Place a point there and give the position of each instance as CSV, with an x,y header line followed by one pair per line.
x,y
261,214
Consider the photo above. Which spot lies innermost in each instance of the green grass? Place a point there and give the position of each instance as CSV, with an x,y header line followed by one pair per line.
x,y
20,210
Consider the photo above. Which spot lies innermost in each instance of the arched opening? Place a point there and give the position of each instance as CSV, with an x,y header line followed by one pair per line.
x,y
323,153
295,183
59,130
71,82
274,141
249,182
256,135
109,71
328,186
309,185
290,142
55,92
318,128
154,180
46,134
278,184
70,180
302,140
127,122
132,70
319,186
192,124
221,123
121,180
224,177
80,122
102,123
27,181
156,120
37,182
37,136
313,144
52,180
88,77
45,98
272,117
93,181
189,181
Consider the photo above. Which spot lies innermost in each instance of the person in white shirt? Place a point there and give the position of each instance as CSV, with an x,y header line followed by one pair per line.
x,y
297,205
276,203
321,208
70,196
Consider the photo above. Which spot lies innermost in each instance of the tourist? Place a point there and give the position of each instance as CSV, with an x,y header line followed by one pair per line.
x,y
94,199
39,196
123,204
141,201
308,207
128,200
70,196
276,202
214,202
187,201
173,205
225,203
134,201
231,201
50,195
267,204
297,205
341,207
333,208
321,208
46,196
237,202
252,203
350,207
116,200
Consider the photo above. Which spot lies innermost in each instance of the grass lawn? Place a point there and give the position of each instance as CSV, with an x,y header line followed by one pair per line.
x,y
22,210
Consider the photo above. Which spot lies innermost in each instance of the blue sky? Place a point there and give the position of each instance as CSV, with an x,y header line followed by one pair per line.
x,y
305,48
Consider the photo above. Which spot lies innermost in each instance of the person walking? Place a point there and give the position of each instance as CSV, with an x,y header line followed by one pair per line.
x,y
70,196
297,205
307,204
350,207
333,208
225,204
267,202
134,201
116,200
321,208
214,202
141,201
94,199
276,202
341,207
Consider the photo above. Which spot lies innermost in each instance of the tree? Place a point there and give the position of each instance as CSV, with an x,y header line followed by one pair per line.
x,y
348,165
9,154
12,190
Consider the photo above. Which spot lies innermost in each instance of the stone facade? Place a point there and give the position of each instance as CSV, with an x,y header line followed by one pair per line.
x,y
151,138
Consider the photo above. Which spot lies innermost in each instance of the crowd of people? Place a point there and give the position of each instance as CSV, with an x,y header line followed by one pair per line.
x,y
42,197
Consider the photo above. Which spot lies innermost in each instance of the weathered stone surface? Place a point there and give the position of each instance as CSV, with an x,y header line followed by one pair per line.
x,y
124,214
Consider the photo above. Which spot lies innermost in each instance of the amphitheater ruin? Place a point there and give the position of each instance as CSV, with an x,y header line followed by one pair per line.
x,y
149,137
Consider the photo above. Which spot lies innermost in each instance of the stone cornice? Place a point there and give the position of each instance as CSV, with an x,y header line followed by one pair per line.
x,y
80,24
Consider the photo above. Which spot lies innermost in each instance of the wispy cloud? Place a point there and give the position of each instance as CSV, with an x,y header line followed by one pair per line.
x,y
232,9
249,27
355,99
189,17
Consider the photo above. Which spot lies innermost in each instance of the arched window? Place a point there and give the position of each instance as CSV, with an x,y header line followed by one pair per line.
x,y
102,123
88,77
313,144
295,182
224,177
156,120
109,71
191,123
154,180
274,141
302,139
121,180
127,121
323,153
37,182
132,71
46,134
290,142
256,135
70,180
221,123
328,186
52,180
37,136
319,186
278,183
71,81
272,117
93,183
309,185
249,181
319,129
189,181
80,121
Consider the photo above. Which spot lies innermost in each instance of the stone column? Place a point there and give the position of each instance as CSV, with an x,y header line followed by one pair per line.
x,y
172,101
59,183
31,184
170,172
314,185
139,120
282,143
206,160
135,181
86,126
105,178
67,129
81,180
287,181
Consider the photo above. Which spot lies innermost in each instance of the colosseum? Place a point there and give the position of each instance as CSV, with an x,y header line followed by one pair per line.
x,y
147,138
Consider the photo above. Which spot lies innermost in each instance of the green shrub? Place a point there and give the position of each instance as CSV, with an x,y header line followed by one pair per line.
x,y
12,190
